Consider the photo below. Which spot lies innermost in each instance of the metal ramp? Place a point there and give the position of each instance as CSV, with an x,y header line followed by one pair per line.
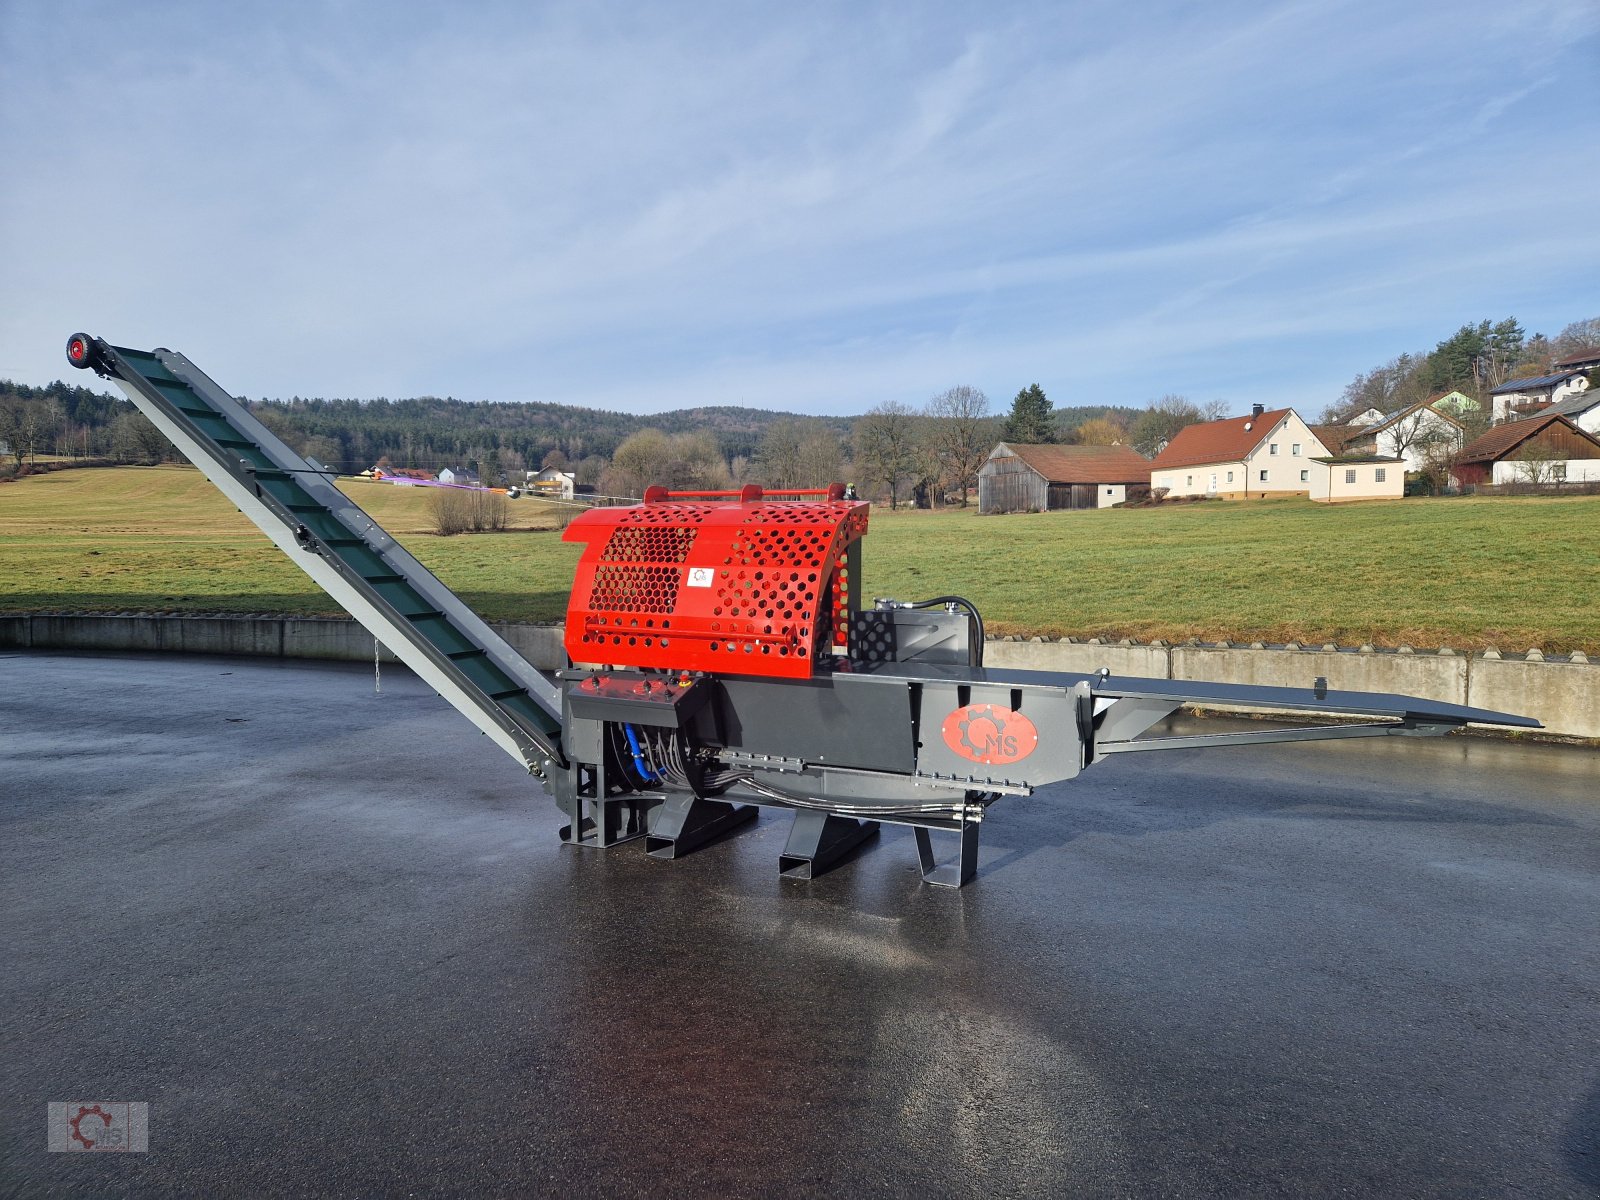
x,y
295,503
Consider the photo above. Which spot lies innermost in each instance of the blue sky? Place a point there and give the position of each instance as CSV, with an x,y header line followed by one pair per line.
x,y
814,208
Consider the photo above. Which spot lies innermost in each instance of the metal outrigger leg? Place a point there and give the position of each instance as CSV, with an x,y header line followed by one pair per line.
x,y
954,872
820,839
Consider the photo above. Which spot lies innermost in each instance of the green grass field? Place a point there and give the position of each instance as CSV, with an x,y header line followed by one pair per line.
x,y
1469,573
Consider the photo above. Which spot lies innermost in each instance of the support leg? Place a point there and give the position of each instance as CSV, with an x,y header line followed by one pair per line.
x,y
957,871
597,821
685,823
820,839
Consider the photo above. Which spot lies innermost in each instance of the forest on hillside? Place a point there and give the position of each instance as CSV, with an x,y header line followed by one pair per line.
x,y
895,450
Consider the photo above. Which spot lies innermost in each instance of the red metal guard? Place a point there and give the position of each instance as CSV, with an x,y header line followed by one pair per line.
x,y
751,586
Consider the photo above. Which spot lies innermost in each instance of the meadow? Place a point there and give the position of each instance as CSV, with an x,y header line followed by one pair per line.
x,y
1509,572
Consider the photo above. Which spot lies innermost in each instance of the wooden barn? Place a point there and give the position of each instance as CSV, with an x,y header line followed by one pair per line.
x,y
1546,448
1026,478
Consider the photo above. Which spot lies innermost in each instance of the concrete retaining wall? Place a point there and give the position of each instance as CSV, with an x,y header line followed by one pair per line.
x,y
272,637
1563,693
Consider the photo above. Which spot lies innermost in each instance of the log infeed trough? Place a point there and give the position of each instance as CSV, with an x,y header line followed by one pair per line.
x,y
725,660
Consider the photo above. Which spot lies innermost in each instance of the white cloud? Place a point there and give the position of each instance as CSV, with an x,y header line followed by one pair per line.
x,y
646,207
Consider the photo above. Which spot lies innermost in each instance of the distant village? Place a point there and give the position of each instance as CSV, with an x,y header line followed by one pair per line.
x,y
551,483
1489,409
1543,431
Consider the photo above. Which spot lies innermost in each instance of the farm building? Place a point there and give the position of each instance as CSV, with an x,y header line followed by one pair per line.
x,y
1356,476
1027,478
1547,448
1583,410
1264,454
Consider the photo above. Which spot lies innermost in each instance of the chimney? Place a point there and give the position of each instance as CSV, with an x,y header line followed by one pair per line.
x,y
1256,410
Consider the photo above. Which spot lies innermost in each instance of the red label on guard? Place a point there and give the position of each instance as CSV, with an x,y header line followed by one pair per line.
x,y
989,734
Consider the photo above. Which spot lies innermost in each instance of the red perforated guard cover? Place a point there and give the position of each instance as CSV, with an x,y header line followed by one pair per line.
x,y
753,588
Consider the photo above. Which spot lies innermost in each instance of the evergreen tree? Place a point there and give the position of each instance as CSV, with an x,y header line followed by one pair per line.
x,y
1030,422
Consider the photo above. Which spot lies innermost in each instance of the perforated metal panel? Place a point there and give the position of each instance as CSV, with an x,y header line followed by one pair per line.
x,y
754,587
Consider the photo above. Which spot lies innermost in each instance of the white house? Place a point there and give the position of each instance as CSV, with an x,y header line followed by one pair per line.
x,y
1583,410
1370,417
1264,454
1342,477
553,482
1418,434
1522,397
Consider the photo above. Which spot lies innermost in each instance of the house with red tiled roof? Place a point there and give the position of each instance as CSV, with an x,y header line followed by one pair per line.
x,y
1021,477
1269,453
1547,448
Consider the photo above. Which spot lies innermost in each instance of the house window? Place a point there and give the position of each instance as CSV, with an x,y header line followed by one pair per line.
x,y
1379,475
1230,476
1188,481
1350,475
1263,477
1109,492
1558,472
1304,476
1295,449
1272,449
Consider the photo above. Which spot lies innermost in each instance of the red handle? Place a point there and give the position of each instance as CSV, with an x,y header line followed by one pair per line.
x,y
655,493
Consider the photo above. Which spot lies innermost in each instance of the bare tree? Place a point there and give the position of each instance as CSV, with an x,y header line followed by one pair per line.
x,y
1397,383
1101,431
960,435
1540,466
1420,432
1162,420
468,510
681,462
1576,338
821,456
801,454
886,446
778,458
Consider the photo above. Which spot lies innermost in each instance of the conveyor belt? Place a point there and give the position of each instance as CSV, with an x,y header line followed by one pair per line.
x,y
294,502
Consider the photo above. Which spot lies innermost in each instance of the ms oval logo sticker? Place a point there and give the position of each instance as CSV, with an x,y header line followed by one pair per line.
x,y
989,734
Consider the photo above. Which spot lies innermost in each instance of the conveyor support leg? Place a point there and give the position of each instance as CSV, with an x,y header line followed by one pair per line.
x,y
957,871
818,840
682,824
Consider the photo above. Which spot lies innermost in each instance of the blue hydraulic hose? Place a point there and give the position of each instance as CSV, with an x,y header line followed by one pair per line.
x,y
638,755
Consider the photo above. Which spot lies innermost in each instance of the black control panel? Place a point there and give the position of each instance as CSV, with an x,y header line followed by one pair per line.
x,y
636,698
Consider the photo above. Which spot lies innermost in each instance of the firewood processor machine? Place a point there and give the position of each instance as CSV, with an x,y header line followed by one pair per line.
x,y
726,660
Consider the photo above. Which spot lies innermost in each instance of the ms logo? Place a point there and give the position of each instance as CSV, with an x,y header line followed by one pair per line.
x,y
989,734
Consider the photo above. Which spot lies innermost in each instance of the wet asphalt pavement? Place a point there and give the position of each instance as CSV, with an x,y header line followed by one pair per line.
x,y
330,937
